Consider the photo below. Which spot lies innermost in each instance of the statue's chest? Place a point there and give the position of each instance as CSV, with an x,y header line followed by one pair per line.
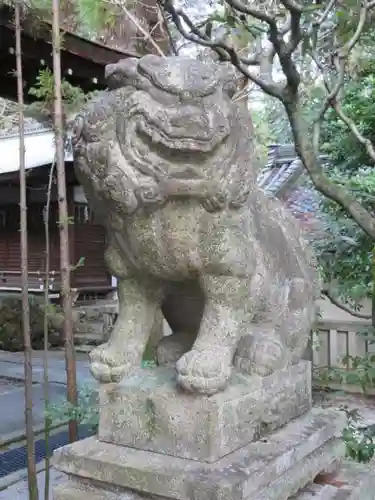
x,y
166,242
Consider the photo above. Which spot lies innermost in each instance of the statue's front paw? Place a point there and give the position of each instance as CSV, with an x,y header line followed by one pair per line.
x,y
205,372
215,203
262,356
108,365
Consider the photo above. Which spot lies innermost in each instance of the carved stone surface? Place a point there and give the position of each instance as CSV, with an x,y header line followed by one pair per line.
x,y
271,469
145,412
166,160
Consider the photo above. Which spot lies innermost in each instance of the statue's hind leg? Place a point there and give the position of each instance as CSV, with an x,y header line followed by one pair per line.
x,y
207,367
282,338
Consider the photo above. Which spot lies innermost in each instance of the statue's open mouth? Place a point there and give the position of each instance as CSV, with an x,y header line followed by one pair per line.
x,y
148,146
199,141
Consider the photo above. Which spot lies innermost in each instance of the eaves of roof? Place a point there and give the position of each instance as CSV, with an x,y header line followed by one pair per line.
x,y
39,150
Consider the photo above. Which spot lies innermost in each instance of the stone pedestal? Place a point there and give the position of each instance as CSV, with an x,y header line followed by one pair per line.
x,y
273,468
257,440
148,412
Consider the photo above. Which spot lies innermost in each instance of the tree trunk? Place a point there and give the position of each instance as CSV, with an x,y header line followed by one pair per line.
x,y
70,362
31,468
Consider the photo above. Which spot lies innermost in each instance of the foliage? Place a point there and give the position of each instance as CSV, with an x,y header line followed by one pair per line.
x,y
73,97
86,412
85,17
274,115
291,43
361,373
93,15
359,440
11,334
344,249
342,147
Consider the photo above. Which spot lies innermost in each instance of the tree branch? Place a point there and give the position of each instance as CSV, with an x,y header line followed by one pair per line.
x,y
325,13
336,302
225,51
250,11
139,27
289,95
323,184
292,6
347,47
354,129
331,98
166,26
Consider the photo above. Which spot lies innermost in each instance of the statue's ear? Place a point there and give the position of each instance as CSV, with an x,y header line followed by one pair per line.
x,y
122,73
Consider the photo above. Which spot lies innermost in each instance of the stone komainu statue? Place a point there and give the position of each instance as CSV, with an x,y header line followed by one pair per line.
x,y
165,157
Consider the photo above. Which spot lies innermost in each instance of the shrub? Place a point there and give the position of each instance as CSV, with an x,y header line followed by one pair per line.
x,y
11,334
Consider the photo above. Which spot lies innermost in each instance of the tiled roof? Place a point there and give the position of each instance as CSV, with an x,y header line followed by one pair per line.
x,y
283,177
30,128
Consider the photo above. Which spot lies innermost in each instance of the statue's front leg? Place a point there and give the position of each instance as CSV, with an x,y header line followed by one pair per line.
x,y
122,354
228,311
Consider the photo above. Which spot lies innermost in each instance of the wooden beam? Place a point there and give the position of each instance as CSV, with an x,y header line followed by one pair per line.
x,y
82,62
42,30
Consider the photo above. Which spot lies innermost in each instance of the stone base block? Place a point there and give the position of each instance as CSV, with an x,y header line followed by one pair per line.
x,y
273,468
349,481
148,412
352,481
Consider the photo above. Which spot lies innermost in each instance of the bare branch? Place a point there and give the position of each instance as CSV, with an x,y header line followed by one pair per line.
x,y
347,47
166,27
283,50
225,51
295,31
141,29
344,307
325,13
257,14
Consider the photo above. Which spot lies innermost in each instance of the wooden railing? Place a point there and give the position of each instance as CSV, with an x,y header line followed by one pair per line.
x,y
11,281
336,340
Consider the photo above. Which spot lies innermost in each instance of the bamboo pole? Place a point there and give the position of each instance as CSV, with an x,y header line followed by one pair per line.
x,y
29,423
65,269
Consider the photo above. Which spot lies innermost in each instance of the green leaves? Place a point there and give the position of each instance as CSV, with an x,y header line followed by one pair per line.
x,y
358,103
94,15
73,97
359,440
345,251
